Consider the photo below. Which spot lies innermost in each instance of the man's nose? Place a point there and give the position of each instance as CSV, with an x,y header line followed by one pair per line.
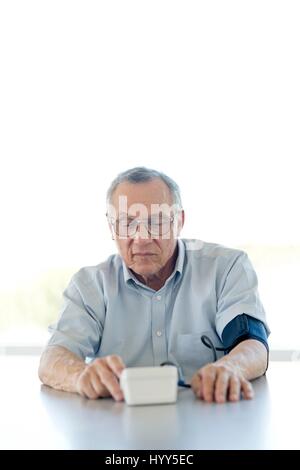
x,y
141,234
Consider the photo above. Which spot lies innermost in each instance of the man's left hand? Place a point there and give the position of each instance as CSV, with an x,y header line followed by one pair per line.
x,y
221,382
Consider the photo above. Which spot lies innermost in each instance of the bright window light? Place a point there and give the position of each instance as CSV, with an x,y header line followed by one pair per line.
x,y
207,92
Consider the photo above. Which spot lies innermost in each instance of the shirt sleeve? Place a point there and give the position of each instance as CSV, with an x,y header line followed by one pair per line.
x,y
238,294
79,327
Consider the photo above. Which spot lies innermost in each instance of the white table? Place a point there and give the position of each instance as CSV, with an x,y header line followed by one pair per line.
x,y
33,416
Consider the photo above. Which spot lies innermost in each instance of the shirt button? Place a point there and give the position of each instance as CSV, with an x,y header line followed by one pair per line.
x,y
158,297
158,333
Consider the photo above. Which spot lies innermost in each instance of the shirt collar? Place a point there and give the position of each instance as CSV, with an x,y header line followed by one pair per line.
x,y
178,266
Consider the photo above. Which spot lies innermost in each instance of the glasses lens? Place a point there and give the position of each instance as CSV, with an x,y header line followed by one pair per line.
x,y
160,226
120,227
155,226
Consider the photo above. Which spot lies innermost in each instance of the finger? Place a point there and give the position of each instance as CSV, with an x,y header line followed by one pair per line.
x,y
196,385
234,389
109,380
208,384
247,390
98,386
221,386
116,364
87,390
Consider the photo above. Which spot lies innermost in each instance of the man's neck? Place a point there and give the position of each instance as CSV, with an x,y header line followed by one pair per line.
x,y
157,280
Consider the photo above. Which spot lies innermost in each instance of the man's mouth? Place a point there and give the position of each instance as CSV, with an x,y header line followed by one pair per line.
x,y
144,254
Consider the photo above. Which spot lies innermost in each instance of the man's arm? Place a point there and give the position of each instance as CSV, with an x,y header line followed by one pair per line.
x,y
226,378
63,370
59,368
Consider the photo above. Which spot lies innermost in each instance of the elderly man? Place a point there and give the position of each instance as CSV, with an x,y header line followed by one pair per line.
x,y
161,299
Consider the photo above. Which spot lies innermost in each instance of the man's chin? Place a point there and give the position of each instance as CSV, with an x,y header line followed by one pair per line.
x,y
144,269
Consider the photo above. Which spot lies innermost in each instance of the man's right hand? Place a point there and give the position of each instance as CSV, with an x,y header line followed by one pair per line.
x,y
100,378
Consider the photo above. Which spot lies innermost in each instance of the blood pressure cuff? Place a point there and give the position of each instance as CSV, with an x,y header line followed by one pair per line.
x,y
244,327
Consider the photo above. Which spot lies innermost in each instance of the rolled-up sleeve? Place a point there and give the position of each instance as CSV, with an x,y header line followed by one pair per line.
x,y
238,293
79,327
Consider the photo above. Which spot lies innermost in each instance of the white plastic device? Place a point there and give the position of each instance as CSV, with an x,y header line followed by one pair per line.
x,y
149,385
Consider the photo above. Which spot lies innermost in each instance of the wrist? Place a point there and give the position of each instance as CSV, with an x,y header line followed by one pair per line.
x,y
232,365
77,371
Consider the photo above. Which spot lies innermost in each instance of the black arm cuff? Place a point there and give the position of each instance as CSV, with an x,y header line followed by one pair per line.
x,y
244,327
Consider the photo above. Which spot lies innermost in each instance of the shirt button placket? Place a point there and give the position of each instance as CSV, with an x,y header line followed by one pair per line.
x,y
158,329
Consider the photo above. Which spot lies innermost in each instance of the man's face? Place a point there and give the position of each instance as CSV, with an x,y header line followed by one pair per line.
x,y
143,252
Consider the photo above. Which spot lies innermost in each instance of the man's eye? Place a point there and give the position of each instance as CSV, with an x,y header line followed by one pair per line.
x,y
155,220
159,221
124,222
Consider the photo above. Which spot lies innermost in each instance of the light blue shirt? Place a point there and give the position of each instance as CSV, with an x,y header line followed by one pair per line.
x,y
108,311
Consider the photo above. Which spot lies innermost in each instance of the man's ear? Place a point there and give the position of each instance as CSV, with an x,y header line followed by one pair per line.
x,y
111,215
182,218
111,230
180,222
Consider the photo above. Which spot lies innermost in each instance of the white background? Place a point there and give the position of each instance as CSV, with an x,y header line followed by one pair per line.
x,y
206,91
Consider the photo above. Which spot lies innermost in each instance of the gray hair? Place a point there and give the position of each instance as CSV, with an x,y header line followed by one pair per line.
x,y
142,174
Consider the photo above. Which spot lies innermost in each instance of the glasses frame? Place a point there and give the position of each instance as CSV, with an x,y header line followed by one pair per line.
x,y
137,222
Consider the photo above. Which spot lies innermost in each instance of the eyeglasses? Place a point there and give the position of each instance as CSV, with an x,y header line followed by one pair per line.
x,y
156,226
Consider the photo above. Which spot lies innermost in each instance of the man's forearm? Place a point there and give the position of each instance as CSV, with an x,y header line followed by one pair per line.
x,y
250,357
59,368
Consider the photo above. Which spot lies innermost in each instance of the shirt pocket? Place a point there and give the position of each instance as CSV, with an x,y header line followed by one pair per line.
x,y
192,354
